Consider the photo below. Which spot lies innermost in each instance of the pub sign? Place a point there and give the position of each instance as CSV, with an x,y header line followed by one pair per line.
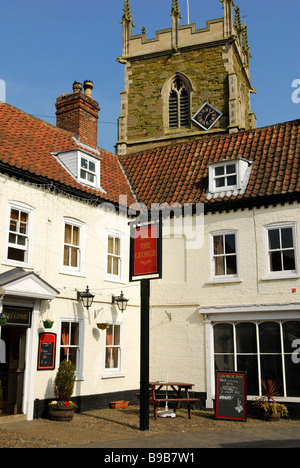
x,y
145,251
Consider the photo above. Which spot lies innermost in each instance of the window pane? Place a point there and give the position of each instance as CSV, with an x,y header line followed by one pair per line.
x,y
66,255
231,169
275,261
218,245
219,266
220,182
246,338
74,333
291,332
231,180
274,239
84,163
74,257
231,267
224,363
75,235
16,254
248,364
269,336
117,335
287,238
117,246
223,338
292,377
115,262
92,166
230,243
68,234
219,171
288,258
111,245
271,368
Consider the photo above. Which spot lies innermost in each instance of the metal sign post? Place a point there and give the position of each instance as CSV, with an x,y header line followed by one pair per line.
x,y
145,264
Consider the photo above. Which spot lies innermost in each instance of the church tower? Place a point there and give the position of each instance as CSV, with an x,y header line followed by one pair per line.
x,y
185,82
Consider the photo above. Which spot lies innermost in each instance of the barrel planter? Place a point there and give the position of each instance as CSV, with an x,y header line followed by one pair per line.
x,y
61,413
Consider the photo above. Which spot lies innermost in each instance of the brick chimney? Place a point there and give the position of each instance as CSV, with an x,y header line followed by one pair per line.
x,y
78,113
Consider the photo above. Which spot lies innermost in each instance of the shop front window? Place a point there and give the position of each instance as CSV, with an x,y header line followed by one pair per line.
x,y
264,350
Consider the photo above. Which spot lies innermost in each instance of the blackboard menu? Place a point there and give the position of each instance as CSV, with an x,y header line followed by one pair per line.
x,y
47,348
231,398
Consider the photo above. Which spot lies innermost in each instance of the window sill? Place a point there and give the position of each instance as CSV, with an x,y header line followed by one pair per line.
x,y
224,281
281,277
72,273
112,375
17,264
115,279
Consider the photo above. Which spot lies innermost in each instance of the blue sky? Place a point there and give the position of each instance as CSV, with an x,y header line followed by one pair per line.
x,y
45,45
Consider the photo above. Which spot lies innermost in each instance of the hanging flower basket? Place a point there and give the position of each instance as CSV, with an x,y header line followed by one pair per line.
x,y
3,320
103,326
48,323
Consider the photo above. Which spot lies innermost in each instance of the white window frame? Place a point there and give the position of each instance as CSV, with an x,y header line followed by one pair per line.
x,y
96,174
213,178
79,359
78,270
283,273
227,277
12,205
120,276
114,371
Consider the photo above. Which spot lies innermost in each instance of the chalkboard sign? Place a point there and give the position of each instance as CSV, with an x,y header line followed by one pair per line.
x,y
231,398
47,348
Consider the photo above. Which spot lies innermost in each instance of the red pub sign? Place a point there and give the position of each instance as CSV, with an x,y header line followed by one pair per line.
x,y
145,252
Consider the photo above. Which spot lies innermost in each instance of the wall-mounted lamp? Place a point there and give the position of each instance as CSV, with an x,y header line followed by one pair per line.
x,y
121,301
86,297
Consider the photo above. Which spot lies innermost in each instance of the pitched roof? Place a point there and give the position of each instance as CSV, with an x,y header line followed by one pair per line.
x,y
179,173
27,144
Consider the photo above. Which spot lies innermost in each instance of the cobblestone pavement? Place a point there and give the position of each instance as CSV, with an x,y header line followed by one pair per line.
x,y
119,429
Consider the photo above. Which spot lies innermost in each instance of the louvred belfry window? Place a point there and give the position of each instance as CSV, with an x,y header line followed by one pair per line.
x,y
179,105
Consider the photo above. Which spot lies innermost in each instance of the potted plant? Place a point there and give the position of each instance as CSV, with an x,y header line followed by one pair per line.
x,y
3,319
63,408
48,323
267,407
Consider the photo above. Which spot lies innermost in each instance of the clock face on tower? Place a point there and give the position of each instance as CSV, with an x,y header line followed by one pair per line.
x,y
207,116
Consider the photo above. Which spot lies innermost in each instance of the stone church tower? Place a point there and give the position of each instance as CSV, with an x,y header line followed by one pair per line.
x,y
185,82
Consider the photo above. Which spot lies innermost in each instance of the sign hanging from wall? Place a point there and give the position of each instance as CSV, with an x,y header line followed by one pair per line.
x,y
231,396
145,251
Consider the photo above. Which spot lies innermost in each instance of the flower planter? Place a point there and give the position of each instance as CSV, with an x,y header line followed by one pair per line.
x,y
121,404
3,321
61,413
48,324
102,326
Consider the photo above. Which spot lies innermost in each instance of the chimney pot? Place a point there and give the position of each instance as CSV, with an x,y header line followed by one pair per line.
x,y
77,87
88,86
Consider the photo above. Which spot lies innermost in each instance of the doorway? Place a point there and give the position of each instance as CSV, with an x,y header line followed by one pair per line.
x,y
12,369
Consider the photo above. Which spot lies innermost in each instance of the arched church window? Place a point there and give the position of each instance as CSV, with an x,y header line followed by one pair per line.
x,y
179,104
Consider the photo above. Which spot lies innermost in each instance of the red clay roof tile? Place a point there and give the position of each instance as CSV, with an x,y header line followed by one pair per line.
x,y
28,143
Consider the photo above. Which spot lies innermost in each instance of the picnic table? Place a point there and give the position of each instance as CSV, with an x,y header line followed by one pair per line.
x,y
179,394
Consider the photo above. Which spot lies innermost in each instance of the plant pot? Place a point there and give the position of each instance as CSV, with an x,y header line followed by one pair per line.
x,y
121,404
268,416
57,413
48,324
3,321
102,326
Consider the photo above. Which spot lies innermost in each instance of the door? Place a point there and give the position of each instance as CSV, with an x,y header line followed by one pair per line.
x,y
12,370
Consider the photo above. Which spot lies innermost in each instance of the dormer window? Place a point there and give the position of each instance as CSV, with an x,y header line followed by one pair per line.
x,y
82,165
228,176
